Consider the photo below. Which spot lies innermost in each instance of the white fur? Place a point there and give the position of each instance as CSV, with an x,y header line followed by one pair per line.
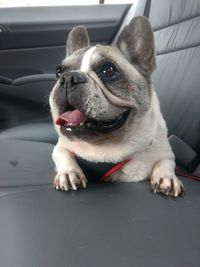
x,y
146,145
144,142
137,138
85,64
68,171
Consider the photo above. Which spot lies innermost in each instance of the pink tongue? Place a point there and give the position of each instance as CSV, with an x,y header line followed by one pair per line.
x,y
74,117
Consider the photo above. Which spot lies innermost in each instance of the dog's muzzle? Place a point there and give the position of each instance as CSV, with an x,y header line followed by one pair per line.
x,y
72,77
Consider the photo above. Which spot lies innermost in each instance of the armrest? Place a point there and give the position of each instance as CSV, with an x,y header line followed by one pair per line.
x,y
34,78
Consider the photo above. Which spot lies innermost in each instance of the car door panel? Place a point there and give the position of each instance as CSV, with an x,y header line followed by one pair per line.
x,y
32,43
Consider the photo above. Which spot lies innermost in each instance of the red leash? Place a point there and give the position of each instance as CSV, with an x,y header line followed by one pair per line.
x,y
183,173
178,171
112,170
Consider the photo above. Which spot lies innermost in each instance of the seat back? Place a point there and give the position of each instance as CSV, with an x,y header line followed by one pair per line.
x,y
176,26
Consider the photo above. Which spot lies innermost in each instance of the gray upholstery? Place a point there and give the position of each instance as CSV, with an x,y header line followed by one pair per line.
x,y
176,27
104,225
108,224
197,169
165,13
24,163
41,132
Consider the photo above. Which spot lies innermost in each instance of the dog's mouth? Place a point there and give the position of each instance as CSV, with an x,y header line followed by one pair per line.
x,y
75,120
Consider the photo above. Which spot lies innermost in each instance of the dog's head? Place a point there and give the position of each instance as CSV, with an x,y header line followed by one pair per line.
x,y
100,89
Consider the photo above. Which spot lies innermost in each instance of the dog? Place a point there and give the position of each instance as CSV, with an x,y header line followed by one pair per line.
x,y
105,109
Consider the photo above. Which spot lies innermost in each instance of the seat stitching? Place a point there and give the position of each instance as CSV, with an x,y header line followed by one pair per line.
x,y
177,49
175,23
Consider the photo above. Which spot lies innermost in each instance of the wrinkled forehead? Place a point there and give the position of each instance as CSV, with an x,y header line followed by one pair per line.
x,y
74,60
86,58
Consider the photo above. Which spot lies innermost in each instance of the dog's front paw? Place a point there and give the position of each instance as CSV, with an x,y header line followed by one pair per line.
x,y
65,181
167,185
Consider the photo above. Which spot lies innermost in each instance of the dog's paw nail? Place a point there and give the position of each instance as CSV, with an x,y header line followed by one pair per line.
x,y
167,191
72,180
155,188
167,185
56,184
74,188
176,193
83,183
66,188
73,185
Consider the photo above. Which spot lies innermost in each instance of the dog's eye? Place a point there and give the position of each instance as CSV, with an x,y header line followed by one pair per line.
x,y
109,72
59,71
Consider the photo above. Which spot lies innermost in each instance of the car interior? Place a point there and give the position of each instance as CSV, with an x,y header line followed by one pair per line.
x,y
108,224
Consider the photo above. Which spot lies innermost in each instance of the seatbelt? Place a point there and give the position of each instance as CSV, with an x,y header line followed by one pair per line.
x,y
187,159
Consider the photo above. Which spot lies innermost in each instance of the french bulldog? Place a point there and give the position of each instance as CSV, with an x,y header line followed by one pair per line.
x,y
105,109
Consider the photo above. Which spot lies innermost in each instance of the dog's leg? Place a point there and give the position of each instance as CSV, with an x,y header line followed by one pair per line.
x,y
163,178
69,174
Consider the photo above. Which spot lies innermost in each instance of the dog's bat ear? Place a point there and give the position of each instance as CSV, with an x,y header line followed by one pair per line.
x,y
136,42
77,39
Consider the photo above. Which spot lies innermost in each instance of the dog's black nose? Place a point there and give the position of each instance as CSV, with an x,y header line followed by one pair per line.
x,y
72,77
77,77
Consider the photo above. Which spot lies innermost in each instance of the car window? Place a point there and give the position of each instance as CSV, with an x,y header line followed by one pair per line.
x,y
29,3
